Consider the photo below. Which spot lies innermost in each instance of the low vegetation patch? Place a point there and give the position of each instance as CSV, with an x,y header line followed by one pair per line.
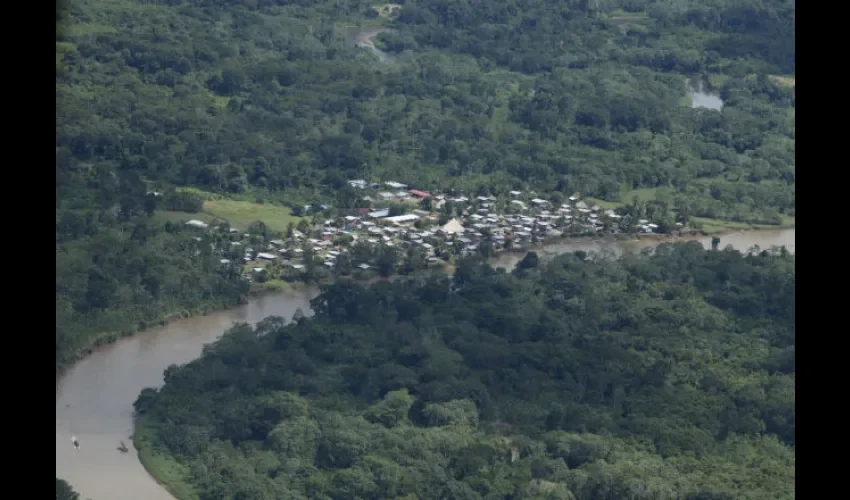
x,y
788,81
242,213
160,464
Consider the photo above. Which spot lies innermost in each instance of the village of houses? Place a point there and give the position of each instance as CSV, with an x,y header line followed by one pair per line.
x,y
468,224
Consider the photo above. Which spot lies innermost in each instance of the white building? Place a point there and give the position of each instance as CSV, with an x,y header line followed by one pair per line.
x,y
379,214
401,219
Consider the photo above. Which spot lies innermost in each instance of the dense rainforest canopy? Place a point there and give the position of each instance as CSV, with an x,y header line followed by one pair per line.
x,y
665,375
267,99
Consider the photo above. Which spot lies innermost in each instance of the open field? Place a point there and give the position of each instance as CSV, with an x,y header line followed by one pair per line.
x,y
241,214
180,217
712,226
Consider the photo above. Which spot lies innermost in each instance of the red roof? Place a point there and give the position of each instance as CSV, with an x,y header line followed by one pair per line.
x,y
421,194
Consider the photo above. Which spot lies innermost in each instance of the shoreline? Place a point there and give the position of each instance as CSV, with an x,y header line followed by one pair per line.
x,y
660,237
164,468
108,338
151,458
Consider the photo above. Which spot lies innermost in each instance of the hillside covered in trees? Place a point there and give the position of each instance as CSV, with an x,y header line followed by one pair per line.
x,y
665,375
267,100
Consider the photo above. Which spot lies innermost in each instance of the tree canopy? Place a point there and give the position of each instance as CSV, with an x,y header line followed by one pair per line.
x,y
64,491
661,375
268,99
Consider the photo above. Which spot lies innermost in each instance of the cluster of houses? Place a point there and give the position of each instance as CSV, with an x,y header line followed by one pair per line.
x,y
451,226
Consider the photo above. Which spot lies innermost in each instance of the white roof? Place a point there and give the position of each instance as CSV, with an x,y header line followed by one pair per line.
x,y
403,218
197,223
452,227
267,256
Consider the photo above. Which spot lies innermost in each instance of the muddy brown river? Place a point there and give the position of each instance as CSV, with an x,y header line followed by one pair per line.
x,y
94,399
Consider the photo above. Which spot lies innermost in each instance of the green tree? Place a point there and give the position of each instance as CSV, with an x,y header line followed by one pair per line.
x,y
64,491
392,410
386,260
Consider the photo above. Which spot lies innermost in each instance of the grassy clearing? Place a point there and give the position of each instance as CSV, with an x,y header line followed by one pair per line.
x,y
602,203
788,81
240,214
160,465
238,210
164,216
712,226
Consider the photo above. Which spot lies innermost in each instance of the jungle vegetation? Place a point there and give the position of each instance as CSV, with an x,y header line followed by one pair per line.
x,y
660,375
267,101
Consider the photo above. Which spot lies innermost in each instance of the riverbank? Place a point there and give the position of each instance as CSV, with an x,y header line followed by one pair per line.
x,y
94,399
96,340
294,287
170,473
166,471
642,237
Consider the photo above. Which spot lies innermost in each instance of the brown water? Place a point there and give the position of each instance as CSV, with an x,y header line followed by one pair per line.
x,y
94,400
740,241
